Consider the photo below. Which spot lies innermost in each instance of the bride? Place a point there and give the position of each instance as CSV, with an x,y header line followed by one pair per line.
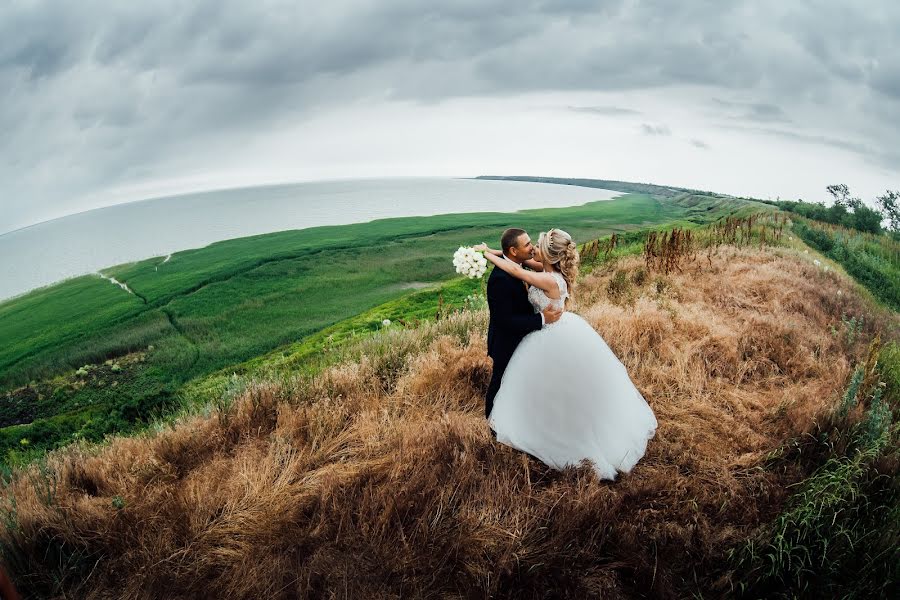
x,y
565,397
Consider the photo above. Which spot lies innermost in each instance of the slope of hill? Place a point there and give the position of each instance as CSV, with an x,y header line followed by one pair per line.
x,y
873,260
208,309
376,477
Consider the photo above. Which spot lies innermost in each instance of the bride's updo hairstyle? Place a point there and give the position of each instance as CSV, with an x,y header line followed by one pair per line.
x,y
558,249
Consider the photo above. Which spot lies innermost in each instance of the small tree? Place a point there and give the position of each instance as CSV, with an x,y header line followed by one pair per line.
x,y
837,212
865,219
850,211
841,194
889,203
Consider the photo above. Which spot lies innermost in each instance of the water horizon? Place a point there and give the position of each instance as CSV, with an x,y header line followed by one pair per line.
x,y
238,188
87,242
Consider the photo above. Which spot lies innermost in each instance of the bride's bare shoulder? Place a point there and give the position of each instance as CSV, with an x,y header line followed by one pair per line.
x,y
548,283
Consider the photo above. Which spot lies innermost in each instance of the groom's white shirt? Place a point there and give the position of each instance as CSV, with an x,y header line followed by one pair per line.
x,y
543,318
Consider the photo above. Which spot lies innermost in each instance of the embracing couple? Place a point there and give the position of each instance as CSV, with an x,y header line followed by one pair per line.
x,y
557,391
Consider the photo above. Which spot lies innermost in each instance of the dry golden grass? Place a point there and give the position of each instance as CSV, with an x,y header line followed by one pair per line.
x,y
378,479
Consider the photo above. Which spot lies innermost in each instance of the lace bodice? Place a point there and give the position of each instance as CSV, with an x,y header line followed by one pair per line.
x,y
539,299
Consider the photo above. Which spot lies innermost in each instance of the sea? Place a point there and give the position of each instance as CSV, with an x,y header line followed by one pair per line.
x,y
90,241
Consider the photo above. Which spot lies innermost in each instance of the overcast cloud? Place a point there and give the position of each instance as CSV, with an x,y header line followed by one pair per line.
x,y
105,102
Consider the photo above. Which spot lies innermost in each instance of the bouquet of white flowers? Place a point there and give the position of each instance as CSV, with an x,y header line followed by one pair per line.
x,y
470,263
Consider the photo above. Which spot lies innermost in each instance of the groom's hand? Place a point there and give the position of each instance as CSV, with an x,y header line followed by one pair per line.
x,y
552,315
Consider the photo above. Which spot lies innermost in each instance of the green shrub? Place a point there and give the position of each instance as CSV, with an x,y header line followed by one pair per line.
x,y
816,238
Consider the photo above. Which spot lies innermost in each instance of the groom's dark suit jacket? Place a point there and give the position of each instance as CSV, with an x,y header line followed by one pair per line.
x,y
512,318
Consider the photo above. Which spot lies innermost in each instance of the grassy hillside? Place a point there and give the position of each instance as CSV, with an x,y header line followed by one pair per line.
x,y
873,260
372,474
408,249
216,307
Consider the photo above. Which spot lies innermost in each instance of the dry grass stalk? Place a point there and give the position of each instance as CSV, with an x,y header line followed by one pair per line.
x,y
665,251
346,487
742,231
590,251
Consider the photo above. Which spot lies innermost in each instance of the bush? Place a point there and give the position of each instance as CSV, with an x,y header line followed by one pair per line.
x,y
862,218
816,238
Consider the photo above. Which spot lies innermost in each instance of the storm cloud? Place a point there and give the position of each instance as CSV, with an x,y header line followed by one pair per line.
x,y
106,101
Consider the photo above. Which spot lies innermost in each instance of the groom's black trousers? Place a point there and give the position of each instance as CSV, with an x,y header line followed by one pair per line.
x,y
494,386
512,318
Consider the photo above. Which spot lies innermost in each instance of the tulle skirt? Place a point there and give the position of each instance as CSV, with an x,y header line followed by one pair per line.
x,y
565,397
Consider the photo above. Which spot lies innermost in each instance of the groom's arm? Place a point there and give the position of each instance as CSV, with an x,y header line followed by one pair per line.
x,y
501,307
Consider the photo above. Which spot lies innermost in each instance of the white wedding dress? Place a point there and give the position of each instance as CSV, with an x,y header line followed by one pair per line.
x,y
565,397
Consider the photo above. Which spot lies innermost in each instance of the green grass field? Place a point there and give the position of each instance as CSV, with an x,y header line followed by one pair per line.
x,y
213,308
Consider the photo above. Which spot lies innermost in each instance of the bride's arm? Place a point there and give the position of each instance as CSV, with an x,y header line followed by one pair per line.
x,y
544,281
530,263
482,247
534,265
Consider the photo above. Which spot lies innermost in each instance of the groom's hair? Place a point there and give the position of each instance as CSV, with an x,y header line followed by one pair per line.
x,y
510,239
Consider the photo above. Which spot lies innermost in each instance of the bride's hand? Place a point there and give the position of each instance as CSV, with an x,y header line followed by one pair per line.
x,y
482,247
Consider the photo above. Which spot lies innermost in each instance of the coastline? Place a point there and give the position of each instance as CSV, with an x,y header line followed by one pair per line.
x,y
102,239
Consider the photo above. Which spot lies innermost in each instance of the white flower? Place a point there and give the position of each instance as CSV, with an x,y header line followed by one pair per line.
x,y
470,263
386,323
817,262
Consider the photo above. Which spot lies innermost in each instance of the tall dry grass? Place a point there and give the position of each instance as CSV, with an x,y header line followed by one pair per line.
x,y
378,479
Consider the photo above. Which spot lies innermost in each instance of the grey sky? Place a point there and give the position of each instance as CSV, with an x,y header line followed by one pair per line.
x,y
105,102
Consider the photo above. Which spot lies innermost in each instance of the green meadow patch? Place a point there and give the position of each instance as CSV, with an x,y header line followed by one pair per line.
x,y
214,310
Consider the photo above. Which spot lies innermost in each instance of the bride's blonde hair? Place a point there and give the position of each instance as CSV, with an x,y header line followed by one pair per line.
x,y
558,249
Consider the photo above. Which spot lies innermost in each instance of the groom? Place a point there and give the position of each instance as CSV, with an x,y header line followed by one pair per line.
x,y
512,316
